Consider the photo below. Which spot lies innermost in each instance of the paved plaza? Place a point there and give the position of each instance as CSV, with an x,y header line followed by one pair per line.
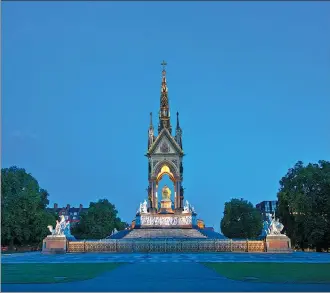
x,y
37,257
164,272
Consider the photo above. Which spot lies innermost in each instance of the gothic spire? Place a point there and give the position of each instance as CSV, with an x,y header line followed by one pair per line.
x,y
150,125
164,113
177,120
151,136
178,131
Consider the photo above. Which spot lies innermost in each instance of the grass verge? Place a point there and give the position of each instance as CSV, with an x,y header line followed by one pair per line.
x,y
30,273
274,272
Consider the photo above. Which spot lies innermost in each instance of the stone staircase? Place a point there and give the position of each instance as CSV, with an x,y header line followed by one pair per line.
x,y
212,234
164,233
119,234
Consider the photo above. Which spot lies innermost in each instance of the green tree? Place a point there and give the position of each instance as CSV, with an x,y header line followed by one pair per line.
x,y
241,220
23,208
304,205
98,221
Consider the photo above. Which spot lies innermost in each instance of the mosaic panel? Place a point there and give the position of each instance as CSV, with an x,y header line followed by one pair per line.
x,y
206,246
190,246
256,246
222,245
76,246
239,246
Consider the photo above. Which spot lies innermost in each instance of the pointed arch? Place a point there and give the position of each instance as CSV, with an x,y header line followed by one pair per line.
x,y
165,167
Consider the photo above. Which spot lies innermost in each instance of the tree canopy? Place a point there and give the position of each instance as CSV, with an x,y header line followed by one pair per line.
x,y
98,221
23,208
241,220
304,205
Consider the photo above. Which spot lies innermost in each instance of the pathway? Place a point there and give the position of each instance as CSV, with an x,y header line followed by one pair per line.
x,y
160,277
164,272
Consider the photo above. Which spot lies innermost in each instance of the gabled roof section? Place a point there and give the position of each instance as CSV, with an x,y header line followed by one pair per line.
x,y
165,134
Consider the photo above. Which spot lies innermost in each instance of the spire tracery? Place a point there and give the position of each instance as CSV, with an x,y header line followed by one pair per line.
x,y
164,113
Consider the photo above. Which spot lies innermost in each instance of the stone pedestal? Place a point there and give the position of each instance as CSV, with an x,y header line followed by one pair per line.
x,y
278,243
166,207
54,245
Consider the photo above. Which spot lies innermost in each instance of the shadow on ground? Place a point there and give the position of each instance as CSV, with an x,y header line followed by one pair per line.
x,y
160,277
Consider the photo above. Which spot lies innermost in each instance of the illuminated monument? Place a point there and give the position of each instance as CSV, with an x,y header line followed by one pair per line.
x,y
162,224
165,157
165,153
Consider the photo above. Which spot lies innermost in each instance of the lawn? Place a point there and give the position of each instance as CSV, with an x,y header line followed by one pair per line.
x,y
52,272
274,272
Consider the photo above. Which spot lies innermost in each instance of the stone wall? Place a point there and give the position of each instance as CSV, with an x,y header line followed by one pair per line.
x,y
52,244
278,243
153,245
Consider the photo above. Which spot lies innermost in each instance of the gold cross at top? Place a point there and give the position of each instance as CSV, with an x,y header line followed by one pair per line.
x,y
163,64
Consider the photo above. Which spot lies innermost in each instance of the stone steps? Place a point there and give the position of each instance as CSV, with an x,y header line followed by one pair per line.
x,y
164,233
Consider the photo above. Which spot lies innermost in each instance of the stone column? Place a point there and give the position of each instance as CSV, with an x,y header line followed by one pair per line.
x,y
151,195
155,203
178,195
175,194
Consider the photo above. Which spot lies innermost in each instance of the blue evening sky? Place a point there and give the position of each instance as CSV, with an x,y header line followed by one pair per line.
x,y
250,80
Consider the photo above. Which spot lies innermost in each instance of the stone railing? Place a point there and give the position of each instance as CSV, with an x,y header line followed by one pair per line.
x,y
166,245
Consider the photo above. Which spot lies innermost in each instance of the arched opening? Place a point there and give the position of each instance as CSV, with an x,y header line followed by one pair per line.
x,y
165,180
165,177
165,173
165,170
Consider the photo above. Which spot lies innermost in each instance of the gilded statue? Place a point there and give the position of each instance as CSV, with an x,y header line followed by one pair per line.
x,y
166,192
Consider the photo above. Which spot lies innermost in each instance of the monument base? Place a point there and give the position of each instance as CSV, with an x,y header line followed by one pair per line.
x,y
54,245
165,221
278,243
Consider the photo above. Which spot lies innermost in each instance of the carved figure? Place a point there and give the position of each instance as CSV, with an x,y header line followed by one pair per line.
x,y
186,208
67,229
144,207
272,226
51,230
62,228
166,221
57,227
265,228
276,227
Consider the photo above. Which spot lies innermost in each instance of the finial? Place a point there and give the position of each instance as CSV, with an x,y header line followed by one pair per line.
x,y
164,64
150,118
177,120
